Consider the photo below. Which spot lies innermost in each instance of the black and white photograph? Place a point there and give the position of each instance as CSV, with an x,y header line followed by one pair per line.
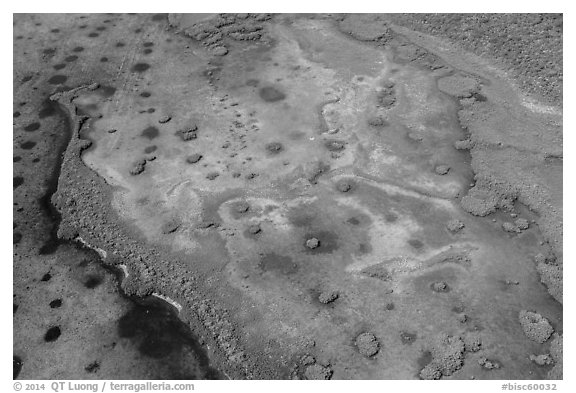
x,y
286,196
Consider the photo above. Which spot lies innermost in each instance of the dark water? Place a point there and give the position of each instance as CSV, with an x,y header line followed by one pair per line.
x,y
65,130
153,326
17,363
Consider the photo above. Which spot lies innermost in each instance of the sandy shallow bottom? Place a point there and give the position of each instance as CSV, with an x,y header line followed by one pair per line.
x,y
308,188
